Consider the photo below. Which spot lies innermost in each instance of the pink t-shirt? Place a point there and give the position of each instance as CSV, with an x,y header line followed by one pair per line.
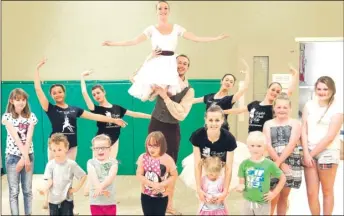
x,y
156,170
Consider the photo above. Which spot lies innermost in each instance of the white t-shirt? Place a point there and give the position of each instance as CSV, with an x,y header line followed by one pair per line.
x,y
21,125
318,130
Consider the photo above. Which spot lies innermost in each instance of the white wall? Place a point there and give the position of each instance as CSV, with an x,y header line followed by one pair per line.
x,y
325,58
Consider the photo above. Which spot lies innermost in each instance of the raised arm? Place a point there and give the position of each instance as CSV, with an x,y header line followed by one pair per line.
x,y
295,78
242,91
38,88
236,110
198,100
294,138
88,100
180,110
103,118
139,39
137,114
191,36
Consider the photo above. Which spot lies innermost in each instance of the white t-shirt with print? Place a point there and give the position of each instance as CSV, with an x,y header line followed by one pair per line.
x,y
318,130
21,125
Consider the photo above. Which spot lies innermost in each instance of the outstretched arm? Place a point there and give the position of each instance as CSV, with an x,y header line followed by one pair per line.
x,y
38,88
295,78
139,39
138,114
198,100
89,103
103,118
236,110
242,91
191,36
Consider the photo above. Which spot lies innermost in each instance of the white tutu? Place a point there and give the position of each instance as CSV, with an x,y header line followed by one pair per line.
x,y
188,174
161,71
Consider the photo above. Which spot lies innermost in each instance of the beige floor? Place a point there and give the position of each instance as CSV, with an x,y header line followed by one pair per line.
x,y
128,196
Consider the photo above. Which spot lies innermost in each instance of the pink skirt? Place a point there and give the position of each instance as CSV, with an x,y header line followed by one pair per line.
x,y
214,212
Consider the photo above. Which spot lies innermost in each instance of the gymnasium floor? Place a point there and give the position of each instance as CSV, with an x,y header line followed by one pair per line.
x,y
128,193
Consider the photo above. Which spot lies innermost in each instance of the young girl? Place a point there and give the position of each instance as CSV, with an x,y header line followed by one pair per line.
x,y
283,134
20,123
211,140
107,109
156,171
161,70
322,119
212,185
102,171
222,97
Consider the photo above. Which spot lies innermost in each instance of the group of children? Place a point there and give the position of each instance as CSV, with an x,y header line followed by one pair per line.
x,y
264,181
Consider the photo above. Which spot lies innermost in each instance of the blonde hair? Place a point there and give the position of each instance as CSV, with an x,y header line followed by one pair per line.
x,y
212,164
57,138
282,96
17,94
256,136
101,137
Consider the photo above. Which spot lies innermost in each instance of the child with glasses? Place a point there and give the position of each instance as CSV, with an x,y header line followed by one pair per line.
x,y
156,171
102,171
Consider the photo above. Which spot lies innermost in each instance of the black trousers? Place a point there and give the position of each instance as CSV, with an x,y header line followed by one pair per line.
x,y
64,208
153,205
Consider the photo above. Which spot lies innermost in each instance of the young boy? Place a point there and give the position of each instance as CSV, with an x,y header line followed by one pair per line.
x,y
59,174
254,177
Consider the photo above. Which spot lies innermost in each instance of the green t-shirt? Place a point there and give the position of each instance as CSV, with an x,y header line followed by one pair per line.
x,y
257,178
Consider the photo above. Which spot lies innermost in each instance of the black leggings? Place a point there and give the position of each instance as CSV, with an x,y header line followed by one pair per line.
x,y
153,205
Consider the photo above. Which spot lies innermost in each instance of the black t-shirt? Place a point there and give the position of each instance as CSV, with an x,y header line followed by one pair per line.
x,y
64,121
112,130
225,103
225,143
258,115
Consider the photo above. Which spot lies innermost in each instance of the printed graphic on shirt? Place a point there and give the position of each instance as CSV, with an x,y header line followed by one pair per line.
x,y
254,178
112,115
155,172
256,117
206,152
22,130
67,125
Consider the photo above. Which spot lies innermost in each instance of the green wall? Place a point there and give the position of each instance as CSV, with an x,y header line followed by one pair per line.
x,y
132,137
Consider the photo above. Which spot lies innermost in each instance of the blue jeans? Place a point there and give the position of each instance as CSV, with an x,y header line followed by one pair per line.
x,y
14,179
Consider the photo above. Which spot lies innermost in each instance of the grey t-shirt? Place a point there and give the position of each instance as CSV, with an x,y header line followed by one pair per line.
x,y
102,171
62,175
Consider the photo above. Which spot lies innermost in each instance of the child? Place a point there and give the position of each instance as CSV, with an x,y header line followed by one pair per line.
x,y
254,177
102,171
282,135
212,184
20,123
161,70
156,171
59,174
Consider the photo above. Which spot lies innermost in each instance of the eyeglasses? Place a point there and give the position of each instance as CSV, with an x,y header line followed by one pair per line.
x,y
153,146
100,148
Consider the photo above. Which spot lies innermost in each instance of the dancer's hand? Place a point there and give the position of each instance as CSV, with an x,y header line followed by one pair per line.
x,y
107,43
222,36
105,193
41,63
201,195
286,169
160,91
86,73
97,192
240,188
220,199
269,196
292,70
119,122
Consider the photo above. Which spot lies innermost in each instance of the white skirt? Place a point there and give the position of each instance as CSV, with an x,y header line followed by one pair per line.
x,y
241,153
161,71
